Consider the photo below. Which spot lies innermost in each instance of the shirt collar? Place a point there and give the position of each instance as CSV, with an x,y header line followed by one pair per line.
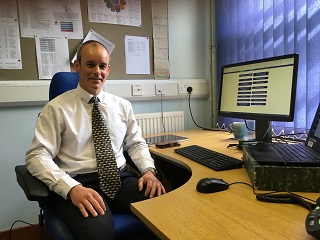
x,y
86,96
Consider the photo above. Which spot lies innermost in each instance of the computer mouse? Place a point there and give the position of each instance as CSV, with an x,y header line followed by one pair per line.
x,y
211,185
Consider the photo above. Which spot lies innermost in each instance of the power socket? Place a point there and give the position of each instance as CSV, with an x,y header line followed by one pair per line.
x,y
160,89
182,88
136,90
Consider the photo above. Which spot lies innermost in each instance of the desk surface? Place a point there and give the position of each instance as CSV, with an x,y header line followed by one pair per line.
x,y
235,213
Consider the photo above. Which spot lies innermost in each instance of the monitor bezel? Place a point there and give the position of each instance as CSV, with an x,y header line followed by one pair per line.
x,y
263,129
263,116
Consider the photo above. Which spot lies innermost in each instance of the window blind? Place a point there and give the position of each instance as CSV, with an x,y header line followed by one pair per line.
x,y
254,29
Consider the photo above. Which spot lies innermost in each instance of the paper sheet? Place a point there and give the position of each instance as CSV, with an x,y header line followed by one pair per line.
x,y
93,35
52,56
54,18
122,12
10,51
137,55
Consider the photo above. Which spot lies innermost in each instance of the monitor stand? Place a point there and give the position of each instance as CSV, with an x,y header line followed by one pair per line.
x,y
263,132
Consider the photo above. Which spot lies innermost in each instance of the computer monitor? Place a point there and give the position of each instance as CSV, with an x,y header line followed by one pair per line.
x,y
263,90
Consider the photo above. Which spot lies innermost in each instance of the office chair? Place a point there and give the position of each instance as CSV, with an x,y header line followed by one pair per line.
x,y
126,226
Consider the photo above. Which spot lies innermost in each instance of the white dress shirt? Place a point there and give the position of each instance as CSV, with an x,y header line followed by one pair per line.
x,y
62,146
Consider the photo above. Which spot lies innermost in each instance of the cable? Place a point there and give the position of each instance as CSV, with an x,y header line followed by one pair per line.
x,y
295,138
245,122
285,198
266,133
278,197
189,90
30,224
303,135
287,140
191,113
162,117
244,184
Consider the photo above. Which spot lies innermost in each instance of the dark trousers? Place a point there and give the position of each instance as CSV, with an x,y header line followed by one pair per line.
x,y
100,227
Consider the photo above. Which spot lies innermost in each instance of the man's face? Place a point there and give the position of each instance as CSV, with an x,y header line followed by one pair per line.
x,y
94,67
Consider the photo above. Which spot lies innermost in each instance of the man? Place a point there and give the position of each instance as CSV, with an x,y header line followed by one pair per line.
x,y
62,152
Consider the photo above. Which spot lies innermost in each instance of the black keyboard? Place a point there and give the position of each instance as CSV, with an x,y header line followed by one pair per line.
x,y
209,158
295,152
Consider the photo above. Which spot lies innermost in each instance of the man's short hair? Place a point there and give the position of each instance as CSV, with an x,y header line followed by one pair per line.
x,y
79,49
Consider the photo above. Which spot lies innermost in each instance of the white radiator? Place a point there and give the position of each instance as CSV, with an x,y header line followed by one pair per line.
x,y
153,123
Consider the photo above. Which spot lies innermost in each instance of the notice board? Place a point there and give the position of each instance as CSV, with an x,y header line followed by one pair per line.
x,y
113,32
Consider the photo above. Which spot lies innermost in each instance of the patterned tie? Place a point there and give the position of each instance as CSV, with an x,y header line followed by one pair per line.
x,y
109,178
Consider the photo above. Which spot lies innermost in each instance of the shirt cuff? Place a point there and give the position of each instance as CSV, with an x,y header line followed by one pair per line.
x,y
64,186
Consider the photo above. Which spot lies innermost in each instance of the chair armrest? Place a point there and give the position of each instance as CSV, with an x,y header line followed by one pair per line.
x,y
34,189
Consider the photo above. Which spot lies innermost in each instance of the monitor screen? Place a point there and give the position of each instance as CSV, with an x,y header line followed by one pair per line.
x,y
263,90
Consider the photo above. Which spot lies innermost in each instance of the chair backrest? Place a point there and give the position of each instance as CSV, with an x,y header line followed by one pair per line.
x,y
62,82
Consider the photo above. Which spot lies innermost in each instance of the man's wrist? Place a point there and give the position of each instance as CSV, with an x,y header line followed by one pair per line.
x,y
151,169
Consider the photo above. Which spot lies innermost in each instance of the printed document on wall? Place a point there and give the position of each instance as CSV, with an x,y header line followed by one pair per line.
x,y
10,51
93,35
137,55
52,56
115,12
51,18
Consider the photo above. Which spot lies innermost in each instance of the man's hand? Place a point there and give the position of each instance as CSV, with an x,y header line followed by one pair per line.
x,y
154,186
87,199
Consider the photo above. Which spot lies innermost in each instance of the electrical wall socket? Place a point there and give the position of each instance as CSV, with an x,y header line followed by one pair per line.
x,y
182,88
136,90
160,89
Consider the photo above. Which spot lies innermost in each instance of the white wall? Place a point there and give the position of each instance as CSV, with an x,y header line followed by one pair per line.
x,y
189,38
188,43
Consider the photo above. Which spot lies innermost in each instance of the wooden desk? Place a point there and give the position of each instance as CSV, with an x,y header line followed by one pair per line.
x,y
235,213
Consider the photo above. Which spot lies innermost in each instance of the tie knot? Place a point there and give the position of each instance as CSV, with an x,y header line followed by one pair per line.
x,y
94,99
